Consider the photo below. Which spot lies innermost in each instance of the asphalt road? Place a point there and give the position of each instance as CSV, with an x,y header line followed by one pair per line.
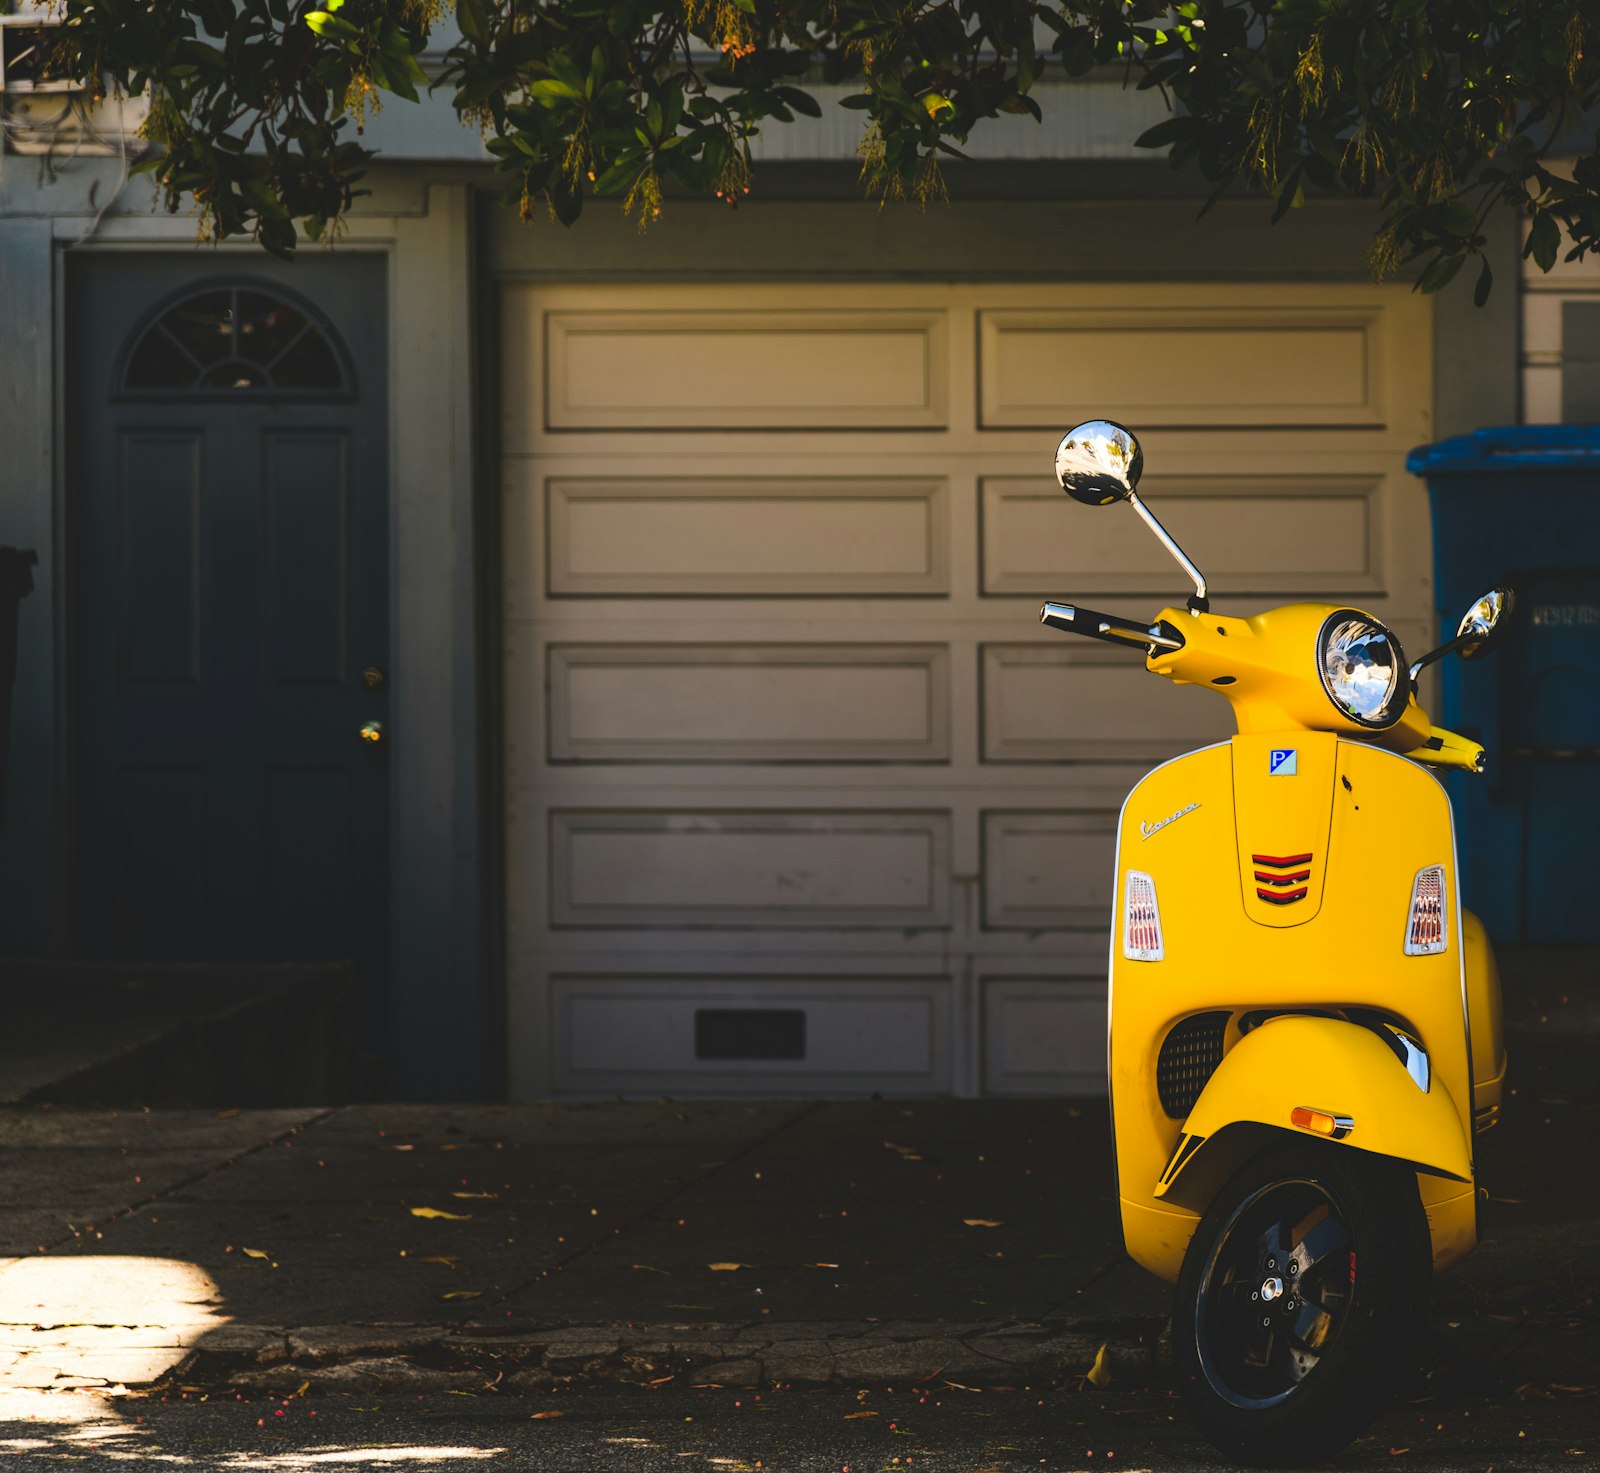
x,y
940,1428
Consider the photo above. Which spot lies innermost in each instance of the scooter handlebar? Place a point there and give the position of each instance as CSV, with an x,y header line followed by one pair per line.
x,y
1076,619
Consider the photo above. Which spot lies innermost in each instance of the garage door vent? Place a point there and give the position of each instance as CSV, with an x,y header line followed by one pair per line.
x,y
749,1033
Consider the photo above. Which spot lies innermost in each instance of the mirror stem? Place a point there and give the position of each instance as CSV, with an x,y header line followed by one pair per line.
x,y
1198,602
1418,666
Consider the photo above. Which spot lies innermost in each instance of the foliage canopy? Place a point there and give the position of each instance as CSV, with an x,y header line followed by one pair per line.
x,y
1441,110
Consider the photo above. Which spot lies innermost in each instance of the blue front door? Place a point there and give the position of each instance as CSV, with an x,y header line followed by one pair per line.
x,y
229,568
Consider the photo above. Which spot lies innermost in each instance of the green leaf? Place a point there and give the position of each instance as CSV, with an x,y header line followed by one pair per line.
x,y
1485,282
1168,130
1544,240
857,101
473,18
1440,272
801,102
331,28
551,88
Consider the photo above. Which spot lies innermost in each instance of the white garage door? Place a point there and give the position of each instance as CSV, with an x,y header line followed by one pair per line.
x,y
800,797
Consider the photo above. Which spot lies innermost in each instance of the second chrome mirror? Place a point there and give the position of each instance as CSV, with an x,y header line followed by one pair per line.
x,y
1485,623
1482,627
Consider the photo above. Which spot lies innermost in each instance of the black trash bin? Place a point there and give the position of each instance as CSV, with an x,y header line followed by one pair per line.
x,y
1521,506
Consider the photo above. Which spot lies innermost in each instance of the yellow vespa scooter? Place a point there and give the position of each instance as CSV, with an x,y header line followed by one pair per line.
x,y
1304,1022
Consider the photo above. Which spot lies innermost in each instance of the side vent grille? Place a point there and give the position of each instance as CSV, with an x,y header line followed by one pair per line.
x,y
1189,1057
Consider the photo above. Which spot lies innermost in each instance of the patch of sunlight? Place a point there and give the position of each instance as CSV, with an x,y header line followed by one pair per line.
x,y
72,1320
378,1457
630,1441
28,1404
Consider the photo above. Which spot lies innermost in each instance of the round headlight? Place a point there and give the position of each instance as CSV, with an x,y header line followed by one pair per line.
x,y
1363,669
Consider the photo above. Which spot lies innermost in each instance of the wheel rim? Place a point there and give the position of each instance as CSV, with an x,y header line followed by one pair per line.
x,y
1276,1292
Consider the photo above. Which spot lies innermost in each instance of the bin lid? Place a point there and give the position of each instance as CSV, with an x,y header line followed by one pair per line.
x,y
1511,447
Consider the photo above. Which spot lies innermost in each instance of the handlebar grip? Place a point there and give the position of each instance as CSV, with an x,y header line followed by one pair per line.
x,y
1076,619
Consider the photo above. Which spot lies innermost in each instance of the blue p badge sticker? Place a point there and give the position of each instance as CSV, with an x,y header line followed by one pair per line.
x,y
1281,762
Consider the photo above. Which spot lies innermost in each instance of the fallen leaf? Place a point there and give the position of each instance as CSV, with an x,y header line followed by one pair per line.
x,y
981,1222
1395,1452
905,1153
824,1265
851,1416
650,1268
489,1196
462,1294
542,1416
302,1388
1099,1374
402,1148
256,1253
449,1260
226,1114
957,1386
435,1212
725,1268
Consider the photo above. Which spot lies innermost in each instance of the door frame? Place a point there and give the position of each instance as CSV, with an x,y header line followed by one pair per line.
x,y
446,1039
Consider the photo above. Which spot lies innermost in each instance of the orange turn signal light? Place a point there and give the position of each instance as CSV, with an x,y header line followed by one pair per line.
x,y
1321,1122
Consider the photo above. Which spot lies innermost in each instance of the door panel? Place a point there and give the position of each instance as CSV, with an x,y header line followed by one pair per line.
x,y
230,582
306,558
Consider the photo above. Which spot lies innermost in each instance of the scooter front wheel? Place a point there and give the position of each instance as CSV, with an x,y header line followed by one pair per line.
x,y
1300,1300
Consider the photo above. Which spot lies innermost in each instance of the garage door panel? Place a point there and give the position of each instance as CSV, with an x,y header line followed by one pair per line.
x,y
1048,870
776,369
845,536
739,1034
800,799
774,869
1160,366
1078,702
749,703
1280,535
1043,1035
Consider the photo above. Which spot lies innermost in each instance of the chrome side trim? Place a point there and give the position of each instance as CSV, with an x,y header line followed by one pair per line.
x,y
1414,1057
1461,939
1116,936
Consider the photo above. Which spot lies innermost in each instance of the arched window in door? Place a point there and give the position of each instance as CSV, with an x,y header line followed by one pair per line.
x,y
235,338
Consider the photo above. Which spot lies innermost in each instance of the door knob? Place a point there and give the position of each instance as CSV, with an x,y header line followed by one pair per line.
x,y
372,677
371,733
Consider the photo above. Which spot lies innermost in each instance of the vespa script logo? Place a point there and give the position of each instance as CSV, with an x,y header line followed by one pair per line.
x,y
1150,830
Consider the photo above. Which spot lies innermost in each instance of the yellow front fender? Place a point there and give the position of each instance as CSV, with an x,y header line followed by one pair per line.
x,y
1326,1065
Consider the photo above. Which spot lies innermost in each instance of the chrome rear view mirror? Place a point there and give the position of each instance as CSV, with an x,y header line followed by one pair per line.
x,y
1482,627
1101,462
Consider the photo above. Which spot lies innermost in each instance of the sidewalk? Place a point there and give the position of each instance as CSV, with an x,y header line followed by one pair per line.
x,y
745,1241
864,1242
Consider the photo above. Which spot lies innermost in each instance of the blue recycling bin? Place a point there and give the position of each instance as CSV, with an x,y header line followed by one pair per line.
x,y
1521,506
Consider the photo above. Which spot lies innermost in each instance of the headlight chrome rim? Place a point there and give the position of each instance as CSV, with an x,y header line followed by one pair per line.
x,y
1399,691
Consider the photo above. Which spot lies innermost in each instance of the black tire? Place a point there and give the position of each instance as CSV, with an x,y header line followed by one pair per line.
x,y
1277,1372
